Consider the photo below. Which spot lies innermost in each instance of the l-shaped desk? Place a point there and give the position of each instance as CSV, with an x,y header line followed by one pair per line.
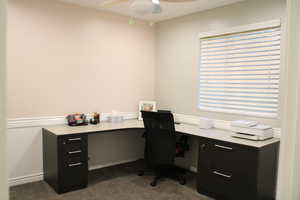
x,y
227,167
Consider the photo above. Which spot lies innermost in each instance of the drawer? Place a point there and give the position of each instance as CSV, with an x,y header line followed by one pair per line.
x,y
74,176
73,143
227,157
224,157
77,156
222,185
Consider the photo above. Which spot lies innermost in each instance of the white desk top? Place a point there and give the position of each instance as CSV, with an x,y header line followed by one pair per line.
x,y
216,134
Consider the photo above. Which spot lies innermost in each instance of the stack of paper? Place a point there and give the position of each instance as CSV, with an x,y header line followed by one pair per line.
x,y
243,123
251,130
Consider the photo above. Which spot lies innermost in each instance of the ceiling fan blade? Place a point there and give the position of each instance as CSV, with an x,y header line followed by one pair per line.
x,y
178,1
111,3
156,7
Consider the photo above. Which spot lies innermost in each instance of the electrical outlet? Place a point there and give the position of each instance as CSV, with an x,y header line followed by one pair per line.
x,y
193,169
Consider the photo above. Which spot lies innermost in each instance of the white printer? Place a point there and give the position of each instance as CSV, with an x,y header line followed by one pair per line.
x,y
251,130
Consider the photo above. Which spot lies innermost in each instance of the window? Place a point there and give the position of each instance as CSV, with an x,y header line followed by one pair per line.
x,y
240,71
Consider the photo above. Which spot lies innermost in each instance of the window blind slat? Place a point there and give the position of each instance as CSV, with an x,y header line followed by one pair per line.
x,y
231,106
241,58
241,77
262,69
246,91
261,101
245,109
229,52
242,64
245,42
236,35
247,104
247,87
240,73
243,48
240,94
275,34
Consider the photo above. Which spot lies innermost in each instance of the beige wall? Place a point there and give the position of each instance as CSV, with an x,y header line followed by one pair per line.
x,y
3,162
176,52
63,58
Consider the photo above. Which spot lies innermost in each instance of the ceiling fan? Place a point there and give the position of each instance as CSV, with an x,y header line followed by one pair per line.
x,y
143,6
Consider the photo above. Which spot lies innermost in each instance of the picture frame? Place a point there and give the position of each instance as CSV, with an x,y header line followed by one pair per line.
x,y
146,106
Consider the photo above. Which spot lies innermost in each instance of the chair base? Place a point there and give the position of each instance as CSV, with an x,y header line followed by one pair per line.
x,y
172,172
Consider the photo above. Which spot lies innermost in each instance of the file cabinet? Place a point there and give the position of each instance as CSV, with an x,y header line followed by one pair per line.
x,y
234,171
65,161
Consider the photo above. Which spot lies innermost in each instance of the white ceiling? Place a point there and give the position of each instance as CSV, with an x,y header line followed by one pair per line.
x,y
170,10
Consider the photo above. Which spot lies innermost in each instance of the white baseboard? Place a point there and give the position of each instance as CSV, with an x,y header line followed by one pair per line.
x,y
26,179
40,176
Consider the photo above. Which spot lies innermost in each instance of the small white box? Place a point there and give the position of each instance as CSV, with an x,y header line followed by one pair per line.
x,y
244,123
205,123
116,118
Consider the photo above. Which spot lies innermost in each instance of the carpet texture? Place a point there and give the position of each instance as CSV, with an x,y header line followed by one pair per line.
x,y
114,183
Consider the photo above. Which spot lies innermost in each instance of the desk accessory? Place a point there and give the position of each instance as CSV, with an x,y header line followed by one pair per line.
x,y
146,106
116,117
205,123
95,118
257,132
77,119
244,123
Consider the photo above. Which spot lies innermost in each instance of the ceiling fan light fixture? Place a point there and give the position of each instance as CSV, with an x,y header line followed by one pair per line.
x,y
142,6
156,7
156,2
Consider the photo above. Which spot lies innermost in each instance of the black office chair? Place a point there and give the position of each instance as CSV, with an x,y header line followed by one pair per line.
x,y
160,149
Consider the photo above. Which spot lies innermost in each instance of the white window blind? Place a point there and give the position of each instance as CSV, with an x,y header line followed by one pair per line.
x,y
239,73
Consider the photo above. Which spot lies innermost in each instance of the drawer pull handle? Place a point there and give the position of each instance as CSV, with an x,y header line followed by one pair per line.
x,y
74,139
223,147
75,164
74,152
221,174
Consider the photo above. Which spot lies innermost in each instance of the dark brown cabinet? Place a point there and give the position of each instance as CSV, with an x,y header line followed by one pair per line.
x,y
234,172
65,161
226,170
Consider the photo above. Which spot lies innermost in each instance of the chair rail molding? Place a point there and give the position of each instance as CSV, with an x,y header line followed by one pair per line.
x,y
55,120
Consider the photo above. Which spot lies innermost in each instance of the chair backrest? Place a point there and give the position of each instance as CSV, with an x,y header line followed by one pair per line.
x,y
160,138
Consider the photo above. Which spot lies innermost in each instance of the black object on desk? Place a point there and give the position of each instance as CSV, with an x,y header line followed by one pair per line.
x,y
160,149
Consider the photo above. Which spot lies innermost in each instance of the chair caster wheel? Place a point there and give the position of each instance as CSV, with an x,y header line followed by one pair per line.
x,y
153,184
182,181
141,173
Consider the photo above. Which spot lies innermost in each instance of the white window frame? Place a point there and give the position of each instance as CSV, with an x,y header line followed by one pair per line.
x,y
236,30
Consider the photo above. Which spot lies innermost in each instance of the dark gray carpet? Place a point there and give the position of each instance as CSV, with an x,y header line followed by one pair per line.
x,y
114,183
